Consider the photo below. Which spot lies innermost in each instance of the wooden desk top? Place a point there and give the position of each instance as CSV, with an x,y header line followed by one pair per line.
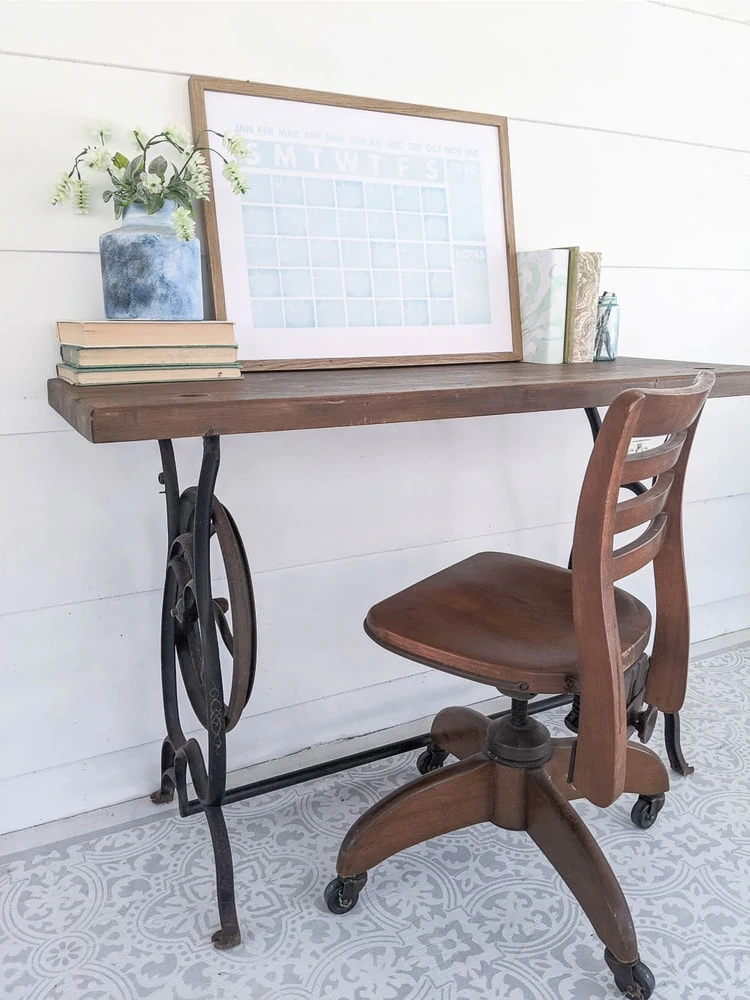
x,y
280,401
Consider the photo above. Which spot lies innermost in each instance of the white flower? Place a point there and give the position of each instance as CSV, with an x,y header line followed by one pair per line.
x,y
183,223
235,145
139,136
101,130
97,157
62,190
81,194
178,134
151,182
196,177
232,173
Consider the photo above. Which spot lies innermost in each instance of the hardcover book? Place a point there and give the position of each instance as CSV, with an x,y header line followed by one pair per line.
x,y
147,357
583,297
543,285
129,376
146,333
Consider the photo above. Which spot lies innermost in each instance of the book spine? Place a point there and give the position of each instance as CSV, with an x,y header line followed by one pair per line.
x,y
570,308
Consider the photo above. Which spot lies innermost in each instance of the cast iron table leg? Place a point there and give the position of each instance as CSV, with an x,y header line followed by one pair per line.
x,y
671,721
191,617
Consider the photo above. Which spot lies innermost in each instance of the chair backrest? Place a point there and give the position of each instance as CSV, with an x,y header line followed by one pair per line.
x,y
599,766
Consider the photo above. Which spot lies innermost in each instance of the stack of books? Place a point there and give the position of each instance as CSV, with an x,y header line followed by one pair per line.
x,y
123,352
559,291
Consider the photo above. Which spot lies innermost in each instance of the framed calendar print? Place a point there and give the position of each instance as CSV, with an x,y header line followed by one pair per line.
x,y
368,233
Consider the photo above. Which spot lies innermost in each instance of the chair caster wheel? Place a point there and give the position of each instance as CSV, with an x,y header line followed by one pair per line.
x,y
341,895
636,980
646,809
431,759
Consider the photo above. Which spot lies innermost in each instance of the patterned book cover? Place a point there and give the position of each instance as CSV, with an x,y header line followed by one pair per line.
x,y
542,283
580,345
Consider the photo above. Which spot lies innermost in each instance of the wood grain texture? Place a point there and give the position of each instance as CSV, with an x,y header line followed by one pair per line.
x,y
278,401
600,766
197,87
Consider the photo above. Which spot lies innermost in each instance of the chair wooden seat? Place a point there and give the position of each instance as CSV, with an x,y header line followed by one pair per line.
x,y
502,619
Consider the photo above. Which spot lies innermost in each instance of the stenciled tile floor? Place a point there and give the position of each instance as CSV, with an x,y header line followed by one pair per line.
x,y
476,914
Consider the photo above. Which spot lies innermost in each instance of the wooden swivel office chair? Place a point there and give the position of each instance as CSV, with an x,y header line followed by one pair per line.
x,y
529,628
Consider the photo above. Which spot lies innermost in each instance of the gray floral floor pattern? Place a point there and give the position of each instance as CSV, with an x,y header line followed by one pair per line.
x,y
475,914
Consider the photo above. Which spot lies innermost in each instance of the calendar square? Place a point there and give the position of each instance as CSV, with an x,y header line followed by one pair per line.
x,y
261,251
263,282
331,312
296,283
258,220
319,192
258,189
388,312
355,253
324,253
299,313
358,284
386,284
416,312
352,223
441,285
442,312
321,222
267,313
411,256
383,255
360,313
406,198
291,221
409,226
288,190
434,200
439,256
379,196
328,284
436,227
381,225
350,194
293,252
414,284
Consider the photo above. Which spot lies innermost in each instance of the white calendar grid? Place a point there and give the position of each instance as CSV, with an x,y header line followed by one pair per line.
x,y
325,252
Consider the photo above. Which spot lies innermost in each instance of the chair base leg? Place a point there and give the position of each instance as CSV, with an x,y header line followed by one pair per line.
x,y
477,789
645,773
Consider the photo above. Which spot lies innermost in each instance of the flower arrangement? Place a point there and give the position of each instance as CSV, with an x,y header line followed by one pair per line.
x,y
149,178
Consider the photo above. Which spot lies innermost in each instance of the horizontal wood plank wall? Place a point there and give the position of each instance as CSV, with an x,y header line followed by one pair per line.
x,y
652,174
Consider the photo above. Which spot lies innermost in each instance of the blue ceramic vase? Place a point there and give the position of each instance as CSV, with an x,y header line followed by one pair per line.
x,y
147,273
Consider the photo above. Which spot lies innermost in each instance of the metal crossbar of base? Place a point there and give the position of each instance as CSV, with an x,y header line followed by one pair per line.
x,y
193,621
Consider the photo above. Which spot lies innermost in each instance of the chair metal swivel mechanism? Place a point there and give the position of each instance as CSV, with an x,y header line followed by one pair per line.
x,y
527,628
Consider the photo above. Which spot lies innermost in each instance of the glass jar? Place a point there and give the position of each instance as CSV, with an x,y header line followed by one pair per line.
x,y
607,327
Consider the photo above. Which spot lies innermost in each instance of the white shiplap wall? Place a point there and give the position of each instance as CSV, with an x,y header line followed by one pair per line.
x,y
629,134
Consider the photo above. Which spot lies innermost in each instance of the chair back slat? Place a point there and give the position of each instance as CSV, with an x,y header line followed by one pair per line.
x,y
641,551
599,767
631,513
654,461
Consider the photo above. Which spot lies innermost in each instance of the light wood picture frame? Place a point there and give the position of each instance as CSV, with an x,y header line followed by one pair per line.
x,y
373,233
